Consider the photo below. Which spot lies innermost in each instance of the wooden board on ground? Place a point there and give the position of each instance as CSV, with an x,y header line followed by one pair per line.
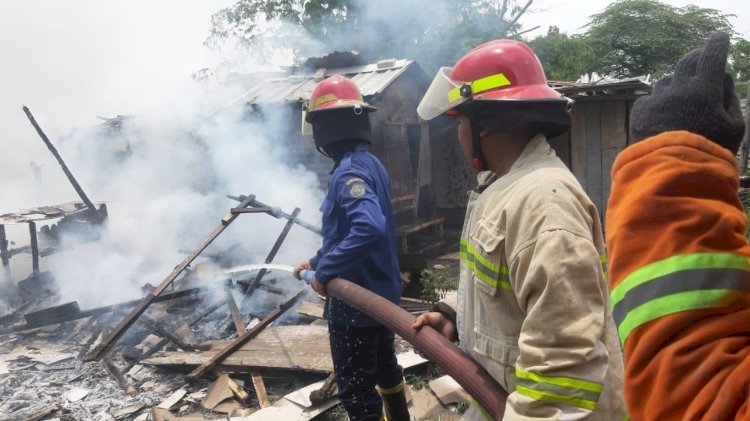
x,y
288,411
314,310
425,405
303,348
448,390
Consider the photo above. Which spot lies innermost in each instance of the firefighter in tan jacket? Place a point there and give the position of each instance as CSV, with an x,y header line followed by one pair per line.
x,y
533,301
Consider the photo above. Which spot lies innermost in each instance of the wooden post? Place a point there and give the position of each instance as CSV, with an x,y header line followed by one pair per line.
x,y
278,214
117,374
239,324
4,258
94,212
34,247
745,148
3,246
272,254
260,389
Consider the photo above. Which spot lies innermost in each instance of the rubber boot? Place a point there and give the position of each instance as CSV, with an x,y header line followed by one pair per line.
x,y
394,402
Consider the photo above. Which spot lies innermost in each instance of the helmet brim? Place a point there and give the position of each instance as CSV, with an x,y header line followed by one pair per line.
x,y
341,105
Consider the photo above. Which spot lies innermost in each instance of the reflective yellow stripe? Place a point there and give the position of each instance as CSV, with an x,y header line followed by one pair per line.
x,y
579,393
489,265
560,381
679,283
391,390
489,82
544,396
322,99
490,273
605,268
480,85
485,415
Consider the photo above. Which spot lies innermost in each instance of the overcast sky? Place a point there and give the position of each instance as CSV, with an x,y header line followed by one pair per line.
x,y
570,16
71,60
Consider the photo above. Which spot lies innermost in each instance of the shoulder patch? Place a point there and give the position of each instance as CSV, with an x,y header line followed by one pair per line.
x,y
357,190
354,180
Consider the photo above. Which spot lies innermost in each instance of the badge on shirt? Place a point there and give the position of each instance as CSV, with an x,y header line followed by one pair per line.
x,y
354,180
357,190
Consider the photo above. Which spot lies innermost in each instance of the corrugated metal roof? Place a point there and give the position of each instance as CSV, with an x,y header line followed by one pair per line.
x,y
372,79
43,213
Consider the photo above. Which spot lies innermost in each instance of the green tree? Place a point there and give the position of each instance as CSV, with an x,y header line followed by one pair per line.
x,y
739,56
433,32
563,57
639,37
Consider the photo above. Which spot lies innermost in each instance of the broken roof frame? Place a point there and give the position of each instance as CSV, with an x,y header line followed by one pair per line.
x,y
296,86
248,204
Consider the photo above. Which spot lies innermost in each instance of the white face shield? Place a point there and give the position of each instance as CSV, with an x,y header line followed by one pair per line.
x,y
441,96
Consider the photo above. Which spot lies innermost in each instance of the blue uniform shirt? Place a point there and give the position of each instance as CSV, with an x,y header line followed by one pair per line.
x,y
359,242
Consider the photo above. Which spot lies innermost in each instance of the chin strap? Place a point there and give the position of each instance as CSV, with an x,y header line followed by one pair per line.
x,y
477,160
323,152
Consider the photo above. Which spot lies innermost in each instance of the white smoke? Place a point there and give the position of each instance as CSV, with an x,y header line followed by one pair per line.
x,y
165,181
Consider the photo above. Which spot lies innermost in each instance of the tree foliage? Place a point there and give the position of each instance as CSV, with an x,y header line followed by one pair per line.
x,y
434,32
739,56
639,37
563,57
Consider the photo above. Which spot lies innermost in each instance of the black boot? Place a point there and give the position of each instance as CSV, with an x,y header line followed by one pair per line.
x,y
394,402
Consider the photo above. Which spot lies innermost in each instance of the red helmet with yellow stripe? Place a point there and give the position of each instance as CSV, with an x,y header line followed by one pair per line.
x,y
497,70
335,93
503,78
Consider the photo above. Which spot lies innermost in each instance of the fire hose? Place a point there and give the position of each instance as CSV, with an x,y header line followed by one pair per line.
x,y
433,345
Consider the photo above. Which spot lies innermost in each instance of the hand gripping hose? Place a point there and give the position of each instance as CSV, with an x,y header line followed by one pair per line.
x,y
433,345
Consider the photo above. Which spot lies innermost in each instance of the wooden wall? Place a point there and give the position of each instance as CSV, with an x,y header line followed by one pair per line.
x,y
598,134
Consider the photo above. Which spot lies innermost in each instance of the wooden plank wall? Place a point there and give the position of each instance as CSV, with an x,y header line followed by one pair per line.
x,y
599,132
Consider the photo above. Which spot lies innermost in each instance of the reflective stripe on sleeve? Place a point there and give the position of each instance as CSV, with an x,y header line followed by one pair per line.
x,y
679,283
573,392
490,273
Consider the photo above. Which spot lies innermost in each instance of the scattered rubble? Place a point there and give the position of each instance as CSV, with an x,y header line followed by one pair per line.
x,y
128,361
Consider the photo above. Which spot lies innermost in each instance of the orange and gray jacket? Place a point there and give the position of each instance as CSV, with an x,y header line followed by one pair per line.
x,y
680,279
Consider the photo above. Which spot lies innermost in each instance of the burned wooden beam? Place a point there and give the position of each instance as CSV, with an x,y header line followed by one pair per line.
x,y
277,213
163,342
237,343
89,204
42,413
272,254
121,380
260,389
34,247
66,316
4,258
239,324
123,326
262,286
258,384
53,315
160,331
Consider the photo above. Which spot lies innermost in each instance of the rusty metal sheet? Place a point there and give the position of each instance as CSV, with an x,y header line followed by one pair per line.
x,y
372,79
42,213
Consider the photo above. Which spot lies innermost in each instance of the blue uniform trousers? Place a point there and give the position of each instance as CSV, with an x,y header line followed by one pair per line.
x,y
363,357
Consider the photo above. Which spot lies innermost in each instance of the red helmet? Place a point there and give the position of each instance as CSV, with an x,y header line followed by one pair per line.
x,y
336,92
500,70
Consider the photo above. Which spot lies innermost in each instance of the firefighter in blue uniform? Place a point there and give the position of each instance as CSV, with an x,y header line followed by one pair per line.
x,y
358,245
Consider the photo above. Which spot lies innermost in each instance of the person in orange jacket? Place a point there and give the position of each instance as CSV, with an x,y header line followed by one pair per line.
x,y
679,263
